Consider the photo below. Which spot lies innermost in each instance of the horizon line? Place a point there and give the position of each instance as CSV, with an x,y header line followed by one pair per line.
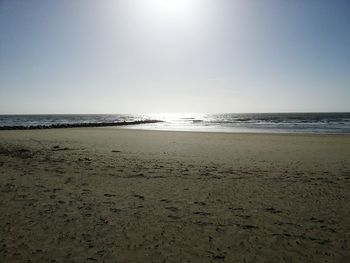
x,y
276,112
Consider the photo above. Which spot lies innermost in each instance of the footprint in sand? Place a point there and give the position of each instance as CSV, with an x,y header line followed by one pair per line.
x,y
202,213
140,197
172,209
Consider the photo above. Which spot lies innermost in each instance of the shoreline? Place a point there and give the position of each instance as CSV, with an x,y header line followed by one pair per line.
x,y
124,127
230,132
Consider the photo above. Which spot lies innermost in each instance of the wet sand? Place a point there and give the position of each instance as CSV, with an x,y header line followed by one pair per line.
x,y
115,195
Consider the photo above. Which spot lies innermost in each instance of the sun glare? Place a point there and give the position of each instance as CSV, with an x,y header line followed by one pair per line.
x,y
179,11
171,7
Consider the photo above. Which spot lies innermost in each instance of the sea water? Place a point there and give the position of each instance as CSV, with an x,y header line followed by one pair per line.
x,y
322,123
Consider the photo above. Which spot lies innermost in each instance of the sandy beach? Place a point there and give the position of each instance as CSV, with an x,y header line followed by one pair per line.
x,y
119,195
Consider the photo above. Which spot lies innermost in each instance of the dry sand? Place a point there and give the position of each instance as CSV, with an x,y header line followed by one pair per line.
x,y
114,195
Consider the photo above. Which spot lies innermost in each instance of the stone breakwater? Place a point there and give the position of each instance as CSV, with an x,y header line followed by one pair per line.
x,y
78,125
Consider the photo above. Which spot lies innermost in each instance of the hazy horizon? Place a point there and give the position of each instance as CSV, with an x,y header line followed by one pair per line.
x,y
182,113
174,56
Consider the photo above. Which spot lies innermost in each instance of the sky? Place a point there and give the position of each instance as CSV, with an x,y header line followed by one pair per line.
x,y
158,56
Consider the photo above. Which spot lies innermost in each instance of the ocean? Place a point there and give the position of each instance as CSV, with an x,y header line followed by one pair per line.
x,y
320,123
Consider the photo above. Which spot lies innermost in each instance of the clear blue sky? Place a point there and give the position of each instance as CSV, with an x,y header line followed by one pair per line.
x,y
147,56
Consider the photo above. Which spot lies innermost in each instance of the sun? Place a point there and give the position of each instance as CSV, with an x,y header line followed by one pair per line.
x,y
171,7
171,10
